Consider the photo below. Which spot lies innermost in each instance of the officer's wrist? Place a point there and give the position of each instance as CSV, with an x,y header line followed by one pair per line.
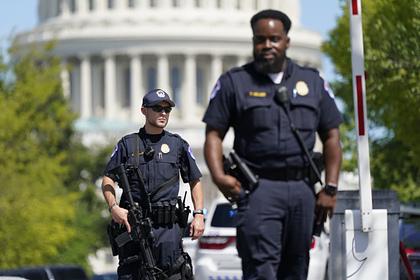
x,y
200,212
112,206
330,189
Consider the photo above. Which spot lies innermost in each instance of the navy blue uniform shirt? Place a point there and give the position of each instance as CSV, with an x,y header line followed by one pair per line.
x,y
172,156
243,99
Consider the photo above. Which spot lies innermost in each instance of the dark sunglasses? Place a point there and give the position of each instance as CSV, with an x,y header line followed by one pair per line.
x,y
159,109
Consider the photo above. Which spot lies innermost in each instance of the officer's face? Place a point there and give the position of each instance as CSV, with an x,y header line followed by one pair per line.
x,y
158,115
270,45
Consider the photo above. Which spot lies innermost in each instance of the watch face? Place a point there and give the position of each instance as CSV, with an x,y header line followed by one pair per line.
x,y
330,190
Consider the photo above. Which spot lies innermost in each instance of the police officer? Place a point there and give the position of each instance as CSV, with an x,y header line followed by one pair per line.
x,y
161,156
275,220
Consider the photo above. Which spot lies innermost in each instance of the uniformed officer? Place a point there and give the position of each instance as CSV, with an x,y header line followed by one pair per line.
x,y
275,220
161,156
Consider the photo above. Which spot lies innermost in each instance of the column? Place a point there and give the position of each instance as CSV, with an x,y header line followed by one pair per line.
x,y
110,86
241,60
85,87
247,5
165,4
121,5
163,72
143,5
262,4
100,5
65,79
188,101
135,86
81,6
188,4
227,4
216,69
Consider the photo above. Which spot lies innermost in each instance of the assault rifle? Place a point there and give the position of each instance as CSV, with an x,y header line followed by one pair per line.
x,y
140,222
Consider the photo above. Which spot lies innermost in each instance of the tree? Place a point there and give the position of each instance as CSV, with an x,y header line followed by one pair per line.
x,y
45,217
391,32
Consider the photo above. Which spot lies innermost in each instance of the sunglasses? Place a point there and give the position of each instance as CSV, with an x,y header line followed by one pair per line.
x,y
160,109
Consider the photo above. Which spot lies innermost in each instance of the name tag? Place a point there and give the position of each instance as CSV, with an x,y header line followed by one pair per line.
x,y
257,94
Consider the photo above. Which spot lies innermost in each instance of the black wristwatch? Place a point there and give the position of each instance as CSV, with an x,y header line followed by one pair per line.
x,y
330,190
200,211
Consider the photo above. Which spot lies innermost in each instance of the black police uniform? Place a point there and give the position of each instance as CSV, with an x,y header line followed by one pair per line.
x,y
161,159
274,222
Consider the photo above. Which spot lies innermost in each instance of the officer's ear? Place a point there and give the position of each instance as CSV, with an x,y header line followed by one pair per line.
x,y
287,42
143,110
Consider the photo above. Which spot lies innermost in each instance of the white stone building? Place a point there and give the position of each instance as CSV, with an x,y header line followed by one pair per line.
x,y
114,51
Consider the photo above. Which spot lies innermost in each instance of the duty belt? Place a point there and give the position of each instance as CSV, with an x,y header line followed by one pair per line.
x,y
284,174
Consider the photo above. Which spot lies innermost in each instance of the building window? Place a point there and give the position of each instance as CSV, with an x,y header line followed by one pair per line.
x,y
126,87
91,5
131,3
111,4
201,92
72,6
176,84
59,8
153,3
151,78
238,4
219,4
175,3
197,3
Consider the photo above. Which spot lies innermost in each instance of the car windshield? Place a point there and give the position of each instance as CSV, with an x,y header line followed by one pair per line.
x,y
223,216
410,232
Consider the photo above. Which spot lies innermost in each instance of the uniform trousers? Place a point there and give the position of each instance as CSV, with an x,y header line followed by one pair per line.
x,y
274,230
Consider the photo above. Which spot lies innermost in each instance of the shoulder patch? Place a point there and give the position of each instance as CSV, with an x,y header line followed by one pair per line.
x,y
215,89
114,151
329,90
190,152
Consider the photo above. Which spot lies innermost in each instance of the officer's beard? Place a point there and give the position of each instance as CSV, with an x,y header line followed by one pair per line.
x,y
265,66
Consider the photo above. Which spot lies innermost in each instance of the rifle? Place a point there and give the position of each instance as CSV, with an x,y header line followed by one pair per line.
x,y
141,224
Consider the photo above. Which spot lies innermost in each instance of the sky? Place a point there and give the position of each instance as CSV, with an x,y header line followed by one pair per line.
x,y
317,15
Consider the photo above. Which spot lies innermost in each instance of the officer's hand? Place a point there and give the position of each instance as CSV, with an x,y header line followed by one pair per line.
x,y
120,216
325,205
229,186
197,226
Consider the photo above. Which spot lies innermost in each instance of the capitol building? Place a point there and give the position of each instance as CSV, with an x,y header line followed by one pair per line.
x,y
114,51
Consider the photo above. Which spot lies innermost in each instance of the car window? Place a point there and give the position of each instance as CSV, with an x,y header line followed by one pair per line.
x,y
223,216
410,232
29,273
68,273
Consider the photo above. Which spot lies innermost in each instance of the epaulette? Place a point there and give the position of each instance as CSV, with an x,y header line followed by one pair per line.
x,y
309,68
131,135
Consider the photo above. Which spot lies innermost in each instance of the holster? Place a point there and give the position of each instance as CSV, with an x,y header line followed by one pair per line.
x,y
318,159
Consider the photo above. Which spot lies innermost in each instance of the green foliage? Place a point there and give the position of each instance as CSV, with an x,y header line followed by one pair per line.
x,y
50,212
391,44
